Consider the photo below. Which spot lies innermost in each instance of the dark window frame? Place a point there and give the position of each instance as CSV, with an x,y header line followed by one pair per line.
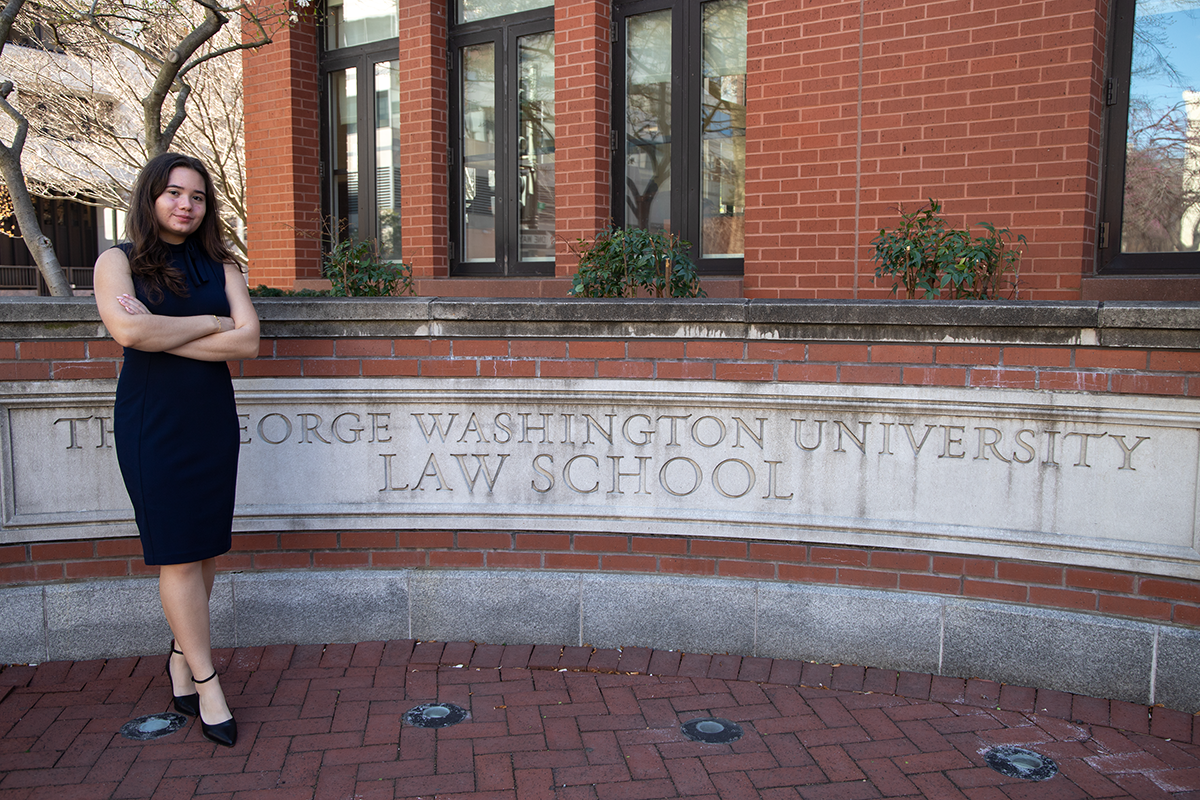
x,y
503,33
686,30
363,57
1109,258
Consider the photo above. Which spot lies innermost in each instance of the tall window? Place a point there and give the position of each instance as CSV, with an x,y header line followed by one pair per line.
x,y
361,113
1150,219
680,143
502,139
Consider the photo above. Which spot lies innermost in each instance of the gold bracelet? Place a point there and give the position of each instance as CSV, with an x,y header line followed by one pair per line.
x,y
217,320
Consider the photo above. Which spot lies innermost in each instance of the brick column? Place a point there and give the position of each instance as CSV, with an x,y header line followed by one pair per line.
x,y
282,123
583,113
424,103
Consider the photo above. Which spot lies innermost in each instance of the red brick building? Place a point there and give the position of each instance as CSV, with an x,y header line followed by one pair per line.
x,y
778,136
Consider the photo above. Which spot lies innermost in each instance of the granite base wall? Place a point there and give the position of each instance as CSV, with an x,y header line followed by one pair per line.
x,y
1089,654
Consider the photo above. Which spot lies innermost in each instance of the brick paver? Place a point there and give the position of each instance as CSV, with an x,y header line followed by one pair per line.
x,y
572,723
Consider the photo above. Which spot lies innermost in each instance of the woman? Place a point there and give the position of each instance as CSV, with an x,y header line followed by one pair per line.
x,y
174,298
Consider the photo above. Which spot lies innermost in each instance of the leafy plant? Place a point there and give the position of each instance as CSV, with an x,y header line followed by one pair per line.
x,y
931,259
620,261
354,269
262,290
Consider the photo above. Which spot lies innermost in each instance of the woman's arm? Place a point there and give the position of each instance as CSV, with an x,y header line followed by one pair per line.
x,y
232,343
130,323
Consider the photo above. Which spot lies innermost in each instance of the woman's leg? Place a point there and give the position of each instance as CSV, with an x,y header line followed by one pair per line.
x,y
185,590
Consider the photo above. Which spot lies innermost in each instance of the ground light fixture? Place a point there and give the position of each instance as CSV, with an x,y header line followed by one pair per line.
x,y
435,715
154,726
1017,762
711,730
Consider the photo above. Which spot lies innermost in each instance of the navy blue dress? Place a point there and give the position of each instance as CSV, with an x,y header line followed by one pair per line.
x,y
176,429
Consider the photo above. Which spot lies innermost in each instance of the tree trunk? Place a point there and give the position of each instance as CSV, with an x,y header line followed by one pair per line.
x,y
38,243
40,246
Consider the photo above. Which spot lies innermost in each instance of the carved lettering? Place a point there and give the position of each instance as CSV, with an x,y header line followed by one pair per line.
x,y
742,426
645,434
73,435
481,466
617,475
1083,445
801,444
593,425
432,470
697,476
388,486
720,432
379,426
912,440
339,429
569,480
526,427
311,423
718,484
988,439
673,439
262,428
772,491
1028,447
859,441
473,427
545,473
435,425
951,441
1127,451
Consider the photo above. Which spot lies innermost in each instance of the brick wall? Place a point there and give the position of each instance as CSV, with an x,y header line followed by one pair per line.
x,y
854,108
1146,371
282,131
424,117
1115,593
582,118
992,109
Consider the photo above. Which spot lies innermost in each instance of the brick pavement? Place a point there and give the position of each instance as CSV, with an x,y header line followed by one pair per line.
x,y
326,723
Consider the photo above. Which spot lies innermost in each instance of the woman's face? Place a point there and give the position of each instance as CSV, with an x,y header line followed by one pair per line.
x,y
180,208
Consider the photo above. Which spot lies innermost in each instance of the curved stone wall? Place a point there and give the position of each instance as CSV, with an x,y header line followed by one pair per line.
x,y
1015,483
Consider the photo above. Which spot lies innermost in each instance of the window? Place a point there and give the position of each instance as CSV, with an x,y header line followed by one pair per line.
x,y
361,122
680,131
1150,215
502,141
67,117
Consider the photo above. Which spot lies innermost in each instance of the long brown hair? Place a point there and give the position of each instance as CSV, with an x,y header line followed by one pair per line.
x,y
149,257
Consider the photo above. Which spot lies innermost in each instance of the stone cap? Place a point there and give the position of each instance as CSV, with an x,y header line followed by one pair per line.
x,y
1114,324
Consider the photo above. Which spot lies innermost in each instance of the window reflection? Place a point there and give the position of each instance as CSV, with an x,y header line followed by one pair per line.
x,y
479,152
648,121
344,112
471,10
723,128
387,158
535,147
1161,208
353,22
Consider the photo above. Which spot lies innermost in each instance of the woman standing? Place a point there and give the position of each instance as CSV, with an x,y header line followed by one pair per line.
x,y
174,298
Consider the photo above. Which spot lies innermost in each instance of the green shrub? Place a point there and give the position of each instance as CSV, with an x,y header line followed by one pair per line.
x,y
270,291
931,259
354,269
619,262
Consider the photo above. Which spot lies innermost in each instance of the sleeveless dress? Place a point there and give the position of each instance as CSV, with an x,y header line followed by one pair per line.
x,y
176,429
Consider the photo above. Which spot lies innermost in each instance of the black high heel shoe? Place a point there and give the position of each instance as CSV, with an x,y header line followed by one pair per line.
x,y
222,733
188,704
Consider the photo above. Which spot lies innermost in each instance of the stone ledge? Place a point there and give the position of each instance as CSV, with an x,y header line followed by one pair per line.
x,y
1089,654
1117,324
